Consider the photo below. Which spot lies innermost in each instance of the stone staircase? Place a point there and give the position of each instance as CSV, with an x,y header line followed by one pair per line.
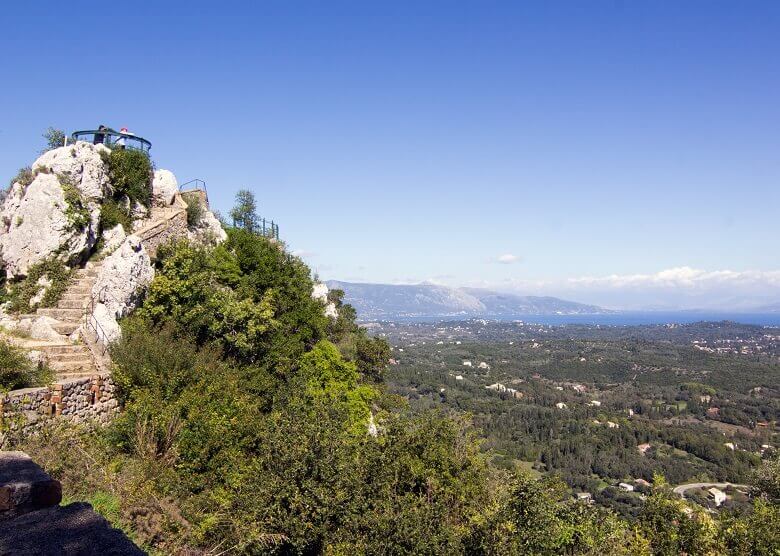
x,y
65,358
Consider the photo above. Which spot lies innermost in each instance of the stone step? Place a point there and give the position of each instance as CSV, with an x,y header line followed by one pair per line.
x,y
66,328
68,315
85,365
65,349
74,358
81,291
87,272
78,303
76,296
64,376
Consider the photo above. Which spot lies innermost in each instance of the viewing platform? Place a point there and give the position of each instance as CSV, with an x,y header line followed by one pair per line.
x,y
113,139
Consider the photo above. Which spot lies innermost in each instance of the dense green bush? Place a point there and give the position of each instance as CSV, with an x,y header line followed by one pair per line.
x,y
22,292
130,172
194,208
112,213
246,295
17,371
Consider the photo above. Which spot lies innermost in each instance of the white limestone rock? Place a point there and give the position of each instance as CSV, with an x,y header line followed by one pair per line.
x,y
124,276
120,285
105,322
164,188
40,328
331,311
320,293
113,238
208,231
43,283
43,329
84,165
34,225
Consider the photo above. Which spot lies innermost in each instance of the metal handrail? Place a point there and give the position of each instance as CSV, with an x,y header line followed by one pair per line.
x,y
110,137
92,322
269,228
194,185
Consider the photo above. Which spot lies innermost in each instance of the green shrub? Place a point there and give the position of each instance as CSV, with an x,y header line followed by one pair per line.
x,y
76,210
130,172
17,371
113,213
194,208
21,293
24,176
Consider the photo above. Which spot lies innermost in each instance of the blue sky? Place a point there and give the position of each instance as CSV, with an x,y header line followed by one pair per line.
x,y
589,145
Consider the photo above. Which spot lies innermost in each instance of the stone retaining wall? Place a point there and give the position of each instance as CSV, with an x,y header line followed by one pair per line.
x,y
79,400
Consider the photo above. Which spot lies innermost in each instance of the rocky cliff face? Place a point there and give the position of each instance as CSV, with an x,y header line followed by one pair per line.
x,y
122,279
53,212
58,211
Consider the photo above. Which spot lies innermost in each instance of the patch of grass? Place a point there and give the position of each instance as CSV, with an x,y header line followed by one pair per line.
x,y
17,371
22,293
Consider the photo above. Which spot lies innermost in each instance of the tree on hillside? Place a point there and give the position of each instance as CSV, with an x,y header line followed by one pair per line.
x,y
766,480
244,213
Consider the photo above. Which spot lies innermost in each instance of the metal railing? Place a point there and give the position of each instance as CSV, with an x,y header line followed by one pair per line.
x,y
268,229
91,322
194,185
113,139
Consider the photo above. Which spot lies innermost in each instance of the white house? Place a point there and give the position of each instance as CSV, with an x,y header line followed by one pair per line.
x,y
595,403
560,405
459,377
718,496
627,487
467,364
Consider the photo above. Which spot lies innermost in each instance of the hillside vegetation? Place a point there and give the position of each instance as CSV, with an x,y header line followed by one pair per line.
x,y
255,424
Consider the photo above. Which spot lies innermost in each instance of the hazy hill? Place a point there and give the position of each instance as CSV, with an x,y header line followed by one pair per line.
x,y
429,300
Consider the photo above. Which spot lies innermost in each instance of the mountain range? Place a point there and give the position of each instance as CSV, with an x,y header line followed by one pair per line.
x,y
373,301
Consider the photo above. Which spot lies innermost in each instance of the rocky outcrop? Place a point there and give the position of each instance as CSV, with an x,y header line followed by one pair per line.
x,y
164,188
208,230
120,285
83,164
46,217
320,293
113,238
37,223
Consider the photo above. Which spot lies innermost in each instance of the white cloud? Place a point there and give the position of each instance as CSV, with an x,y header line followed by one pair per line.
x,y
507,258
684,277
304,254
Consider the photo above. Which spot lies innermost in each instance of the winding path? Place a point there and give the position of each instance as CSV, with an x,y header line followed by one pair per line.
x,y
680,489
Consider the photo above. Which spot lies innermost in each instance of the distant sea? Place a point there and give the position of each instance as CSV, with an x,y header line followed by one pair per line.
x,y
617,319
